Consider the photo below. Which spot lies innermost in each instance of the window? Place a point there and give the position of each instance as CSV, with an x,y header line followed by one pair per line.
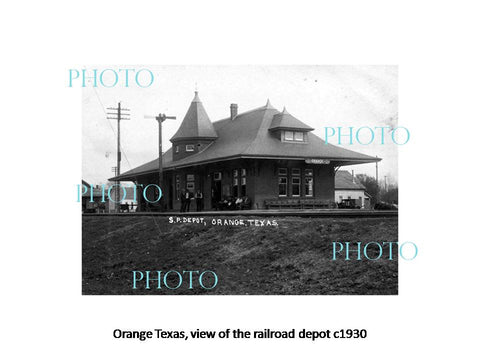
x,y
235,187
295,136
298,136
282,186
217,176
190,182
239,178
282,181
244,182
296,182
189,148
177,187
235,183
308,186
177,149
295,186
308,182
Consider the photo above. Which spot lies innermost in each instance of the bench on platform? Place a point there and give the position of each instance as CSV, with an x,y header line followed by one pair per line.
x,y
299,204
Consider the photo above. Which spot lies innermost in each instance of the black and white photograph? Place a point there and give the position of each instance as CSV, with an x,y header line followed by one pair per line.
x,y
239,180
272,180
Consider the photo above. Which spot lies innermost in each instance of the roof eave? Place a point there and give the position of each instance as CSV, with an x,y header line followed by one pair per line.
x,y
193,138
345,161
347,188
276,128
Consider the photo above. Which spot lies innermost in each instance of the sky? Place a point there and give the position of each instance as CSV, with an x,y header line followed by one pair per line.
x,y
320,96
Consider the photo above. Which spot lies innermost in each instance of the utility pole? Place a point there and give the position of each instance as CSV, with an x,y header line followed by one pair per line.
x,y
119,114
160,119
114,170
376,179
385,183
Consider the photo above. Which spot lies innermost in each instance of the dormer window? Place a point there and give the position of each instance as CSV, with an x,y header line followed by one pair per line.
x,y
298,136
287,128
177,149
189,148
294,136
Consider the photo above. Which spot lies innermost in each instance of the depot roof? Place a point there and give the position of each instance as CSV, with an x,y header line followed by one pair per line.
x,y
249,135
196,123
285,121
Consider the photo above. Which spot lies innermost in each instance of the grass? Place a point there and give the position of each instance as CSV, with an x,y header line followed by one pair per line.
x,y
293,258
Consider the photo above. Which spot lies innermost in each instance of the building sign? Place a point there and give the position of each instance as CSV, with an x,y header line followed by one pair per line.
x,y
317,161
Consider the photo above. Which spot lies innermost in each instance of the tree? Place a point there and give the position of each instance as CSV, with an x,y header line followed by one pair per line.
x,y
378,194
390,195
371,187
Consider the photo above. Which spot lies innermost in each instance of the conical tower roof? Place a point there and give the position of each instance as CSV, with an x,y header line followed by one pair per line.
x,y
196,124
285,121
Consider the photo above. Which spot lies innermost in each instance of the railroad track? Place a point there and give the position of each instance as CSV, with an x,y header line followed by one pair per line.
x,y
340,213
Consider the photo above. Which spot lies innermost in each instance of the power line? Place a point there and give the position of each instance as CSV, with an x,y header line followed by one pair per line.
x,y
160,119
119,115
111,127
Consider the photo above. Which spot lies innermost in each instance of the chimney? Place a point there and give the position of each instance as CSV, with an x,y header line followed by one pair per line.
x,y
353,176
233,111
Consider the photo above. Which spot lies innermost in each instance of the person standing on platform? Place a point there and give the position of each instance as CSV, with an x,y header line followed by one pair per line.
x,y
183,200
199,200
188,198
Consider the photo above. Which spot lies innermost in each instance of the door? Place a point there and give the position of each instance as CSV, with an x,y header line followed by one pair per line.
x,y
216,192
170,194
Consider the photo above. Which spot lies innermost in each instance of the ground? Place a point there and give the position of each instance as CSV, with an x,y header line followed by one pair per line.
x,y
294,257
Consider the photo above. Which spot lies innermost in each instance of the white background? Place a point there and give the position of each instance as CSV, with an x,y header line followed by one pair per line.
x,y
435,45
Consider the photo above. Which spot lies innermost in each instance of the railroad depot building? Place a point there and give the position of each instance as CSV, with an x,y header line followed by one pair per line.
x,y
265,154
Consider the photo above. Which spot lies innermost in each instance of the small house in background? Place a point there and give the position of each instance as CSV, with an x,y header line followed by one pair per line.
x,y
128,201
92,199
349,192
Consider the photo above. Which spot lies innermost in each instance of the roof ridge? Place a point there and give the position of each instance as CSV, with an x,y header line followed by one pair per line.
x,y
264,107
